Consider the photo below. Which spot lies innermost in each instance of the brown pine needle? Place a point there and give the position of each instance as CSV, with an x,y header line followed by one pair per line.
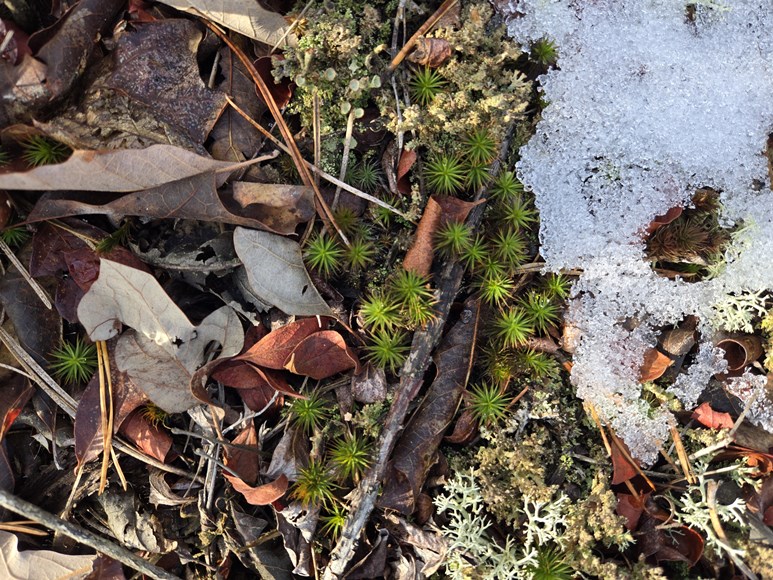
x,y
107,413
684,460
22,527
595,416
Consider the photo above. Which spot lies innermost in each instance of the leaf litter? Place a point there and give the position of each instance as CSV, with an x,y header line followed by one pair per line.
x,y
296,407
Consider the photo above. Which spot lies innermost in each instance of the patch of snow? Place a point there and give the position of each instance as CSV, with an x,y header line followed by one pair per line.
x,y
646,106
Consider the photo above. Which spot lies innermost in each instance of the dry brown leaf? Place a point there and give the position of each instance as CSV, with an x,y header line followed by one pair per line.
x,y
273,350
40,564
243,16
421,253
322,355
165,348
712,419
276,273
119,171
280,207
155,65
654,365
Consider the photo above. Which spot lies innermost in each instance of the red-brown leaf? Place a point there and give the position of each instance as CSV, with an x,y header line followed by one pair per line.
x,y
273,350
245,462
262,494
712,419
465,429
322,355
622,469
654,365
631,508
147,437
407,159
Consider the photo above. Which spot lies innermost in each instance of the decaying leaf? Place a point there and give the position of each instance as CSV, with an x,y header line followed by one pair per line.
x,y
276,273
622,468
165,348
243,16
654,365
233,137
273,350
131,526
262,494
369,386
431,52
66,50
13,396
278,206
40,564
322,355
147,437
120,171
155,64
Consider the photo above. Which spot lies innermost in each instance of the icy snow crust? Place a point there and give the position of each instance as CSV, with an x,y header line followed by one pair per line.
x,y
646,107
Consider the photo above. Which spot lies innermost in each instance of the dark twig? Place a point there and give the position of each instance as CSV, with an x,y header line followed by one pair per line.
x,y
82,536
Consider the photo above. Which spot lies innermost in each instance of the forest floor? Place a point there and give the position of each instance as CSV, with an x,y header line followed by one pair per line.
x,y
273,306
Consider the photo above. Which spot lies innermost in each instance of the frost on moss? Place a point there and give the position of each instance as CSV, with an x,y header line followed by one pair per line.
x,y
647,105
483,89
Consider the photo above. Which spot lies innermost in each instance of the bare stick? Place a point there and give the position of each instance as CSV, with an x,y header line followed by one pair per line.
x,y
26,275
82,536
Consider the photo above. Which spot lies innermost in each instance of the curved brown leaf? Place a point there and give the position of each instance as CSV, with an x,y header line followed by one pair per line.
x,y
263,494
273,350
322,355
148,438
654,365
121,171
712,419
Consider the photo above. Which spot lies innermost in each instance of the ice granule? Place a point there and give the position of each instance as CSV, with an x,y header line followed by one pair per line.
x,y
646,106
750,389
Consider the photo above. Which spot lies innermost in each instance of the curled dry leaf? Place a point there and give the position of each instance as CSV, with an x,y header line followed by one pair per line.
x,y
279,207
654,365
275,348
276,273
322,355
149,438
712,419
165,348
430,52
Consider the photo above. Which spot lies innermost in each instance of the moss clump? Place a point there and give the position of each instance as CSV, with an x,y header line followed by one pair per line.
x,y
483,91
592,521
337,59
509,469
